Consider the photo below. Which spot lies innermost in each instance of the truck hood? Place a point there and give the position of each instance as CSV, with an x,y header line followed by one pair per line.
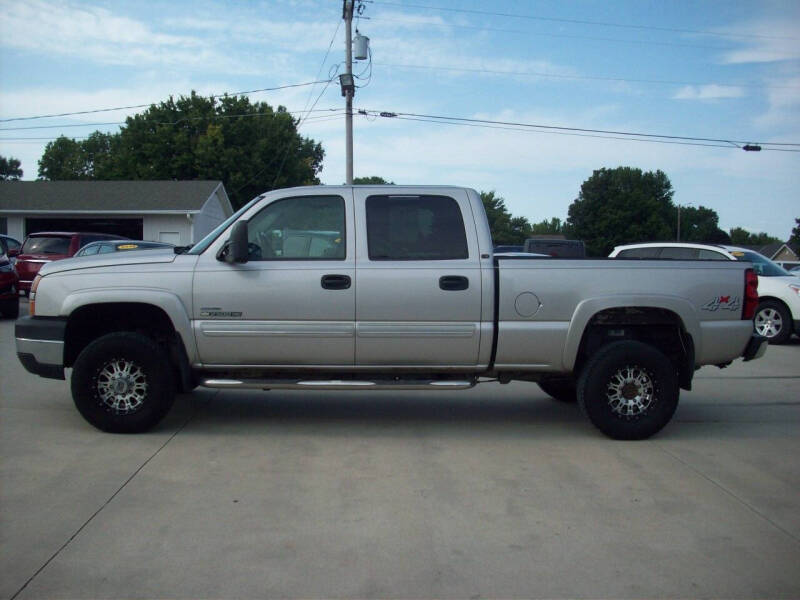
x,y
132,257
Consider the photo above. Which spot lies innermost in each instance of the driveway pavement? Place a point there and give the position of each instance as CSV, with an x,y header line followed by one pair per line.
x,y
493,492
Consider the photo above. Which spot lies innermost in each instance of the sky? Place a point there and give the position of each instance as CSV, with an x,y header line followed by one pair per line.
x,y
722,70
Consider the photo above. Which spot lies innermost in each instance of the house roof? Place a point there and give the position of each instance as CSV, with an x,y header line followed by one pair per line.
x,y
106,196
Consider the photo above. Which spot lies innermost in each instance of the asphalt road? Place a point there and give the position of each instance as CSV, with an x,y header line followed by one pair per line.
x,y
493,492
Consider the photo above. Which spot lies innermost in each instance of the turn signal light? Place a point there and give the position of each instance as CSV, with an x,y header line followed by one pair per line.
x,y
750,294
32,295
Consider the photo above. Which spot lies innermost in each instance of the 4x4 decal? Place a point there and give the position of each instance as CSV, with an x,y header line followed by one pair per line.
x,y
723,303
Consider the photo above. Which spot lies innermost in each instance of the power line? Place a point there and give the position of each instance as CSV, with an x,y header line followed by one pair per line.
x,y
583,21
335,113
210,117
558,128
100,110
581,77
556,35
607,137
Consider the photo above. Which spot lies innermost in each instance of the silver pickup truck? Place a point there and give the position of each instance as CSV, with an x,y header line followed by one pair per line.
x,y
381,287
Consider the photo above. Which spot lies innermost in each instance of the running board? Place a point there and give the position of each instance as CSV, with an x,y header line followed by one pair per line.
x,y
337,384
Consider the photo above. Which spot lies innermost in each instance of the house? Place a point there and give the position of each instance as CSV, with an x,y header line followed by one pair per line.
x,y
179,212
781,252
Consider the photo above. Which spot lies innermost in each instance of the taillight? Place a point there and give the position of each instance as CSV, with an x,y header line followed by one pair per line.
x,y
32,295
750,294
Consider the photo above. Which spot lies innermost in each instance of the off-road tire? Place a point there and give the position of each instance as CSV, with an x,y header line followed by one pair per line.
x,y
563,390
634,410
147,390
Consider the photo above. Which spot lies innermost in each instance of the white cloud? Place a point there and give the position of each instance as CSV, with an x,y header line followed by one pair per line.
x,y
708,92
98,35
784,105
768,40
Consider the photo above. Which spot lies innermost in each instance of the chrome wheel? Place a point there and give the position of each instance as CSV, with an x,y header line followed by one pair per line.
x,y
122,385
768,322
630,391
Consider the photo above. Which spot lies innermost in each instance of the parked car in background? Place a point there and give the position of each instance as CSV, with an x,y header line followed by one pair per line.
x,y
42,248
778,313
503,249
9,301
10,247
121,246
556,248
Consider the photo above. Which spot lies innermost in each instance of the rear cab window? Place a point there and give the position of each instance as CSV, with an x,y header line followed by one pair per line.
x,y
46,245
425,227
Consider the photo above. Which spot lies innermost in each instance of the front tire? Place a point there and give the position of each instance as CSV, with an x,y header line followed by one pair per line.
x,y
629,390
773,321
563,390
123,383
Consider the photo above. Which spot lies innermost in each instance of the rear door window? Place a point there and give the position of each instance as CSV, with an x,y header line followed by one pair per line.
x,y
712,255
415,228
640,253
679,253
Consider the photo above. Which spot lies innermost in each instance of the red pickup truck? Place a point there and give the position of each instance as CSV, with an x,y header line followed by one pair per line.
x,y
45,247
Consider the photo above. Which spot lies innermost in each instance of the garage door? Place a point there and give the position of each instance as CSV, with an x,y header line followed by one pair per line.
x,y
129,228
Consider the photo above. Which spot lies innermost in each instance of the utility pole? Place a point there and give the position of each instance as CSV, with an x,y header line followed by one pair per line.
x,y
679,222
348,43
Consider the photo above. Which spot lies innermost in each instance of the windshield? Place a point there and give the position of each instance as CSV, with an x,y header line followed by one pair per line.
x,y
763,266
46,245
200,246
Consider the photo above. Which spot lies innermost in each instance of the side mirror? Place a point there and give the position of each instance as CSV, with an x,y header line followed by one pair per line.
x,y
237,244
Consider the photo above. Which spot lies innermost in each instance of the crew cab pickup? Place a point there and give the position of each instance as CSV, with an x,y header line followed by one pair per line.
x,y
381,287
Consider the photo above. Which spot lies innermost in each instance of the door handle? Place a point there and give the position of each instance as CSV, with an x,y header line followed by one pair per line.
x,y
453,283
335,282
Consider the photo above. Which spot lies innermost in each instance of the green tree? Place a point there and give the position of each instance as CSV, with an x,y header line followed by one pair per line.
x,y
372,180
701,224
552,227
499,218
795,237
622,205
10,169
250,147
742,237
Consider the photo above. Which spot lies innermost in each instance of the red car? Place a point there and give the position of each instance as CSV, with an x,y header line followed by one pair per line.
x,y
45,247
9,302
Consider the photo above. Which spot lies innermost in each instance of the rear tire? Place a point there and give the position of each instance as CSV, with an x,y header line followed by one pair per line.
x,y
629,390
773,321
563,390
123,383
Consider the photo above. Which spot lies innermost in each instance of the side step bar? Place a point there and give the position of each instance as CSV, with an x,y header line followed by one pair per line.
x,y
336,384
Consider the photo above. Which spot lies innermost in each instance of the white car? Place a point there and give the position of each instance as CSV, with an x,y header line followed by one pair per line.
x,y
778,313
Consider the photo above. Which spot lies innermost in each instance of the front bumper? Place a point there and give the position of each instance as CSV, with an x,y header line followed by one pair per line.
x,y
756,347
40,345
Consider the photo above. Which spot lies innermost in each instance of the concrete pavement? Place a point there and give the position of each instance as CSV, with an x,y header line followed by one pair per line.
x,y
493,492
